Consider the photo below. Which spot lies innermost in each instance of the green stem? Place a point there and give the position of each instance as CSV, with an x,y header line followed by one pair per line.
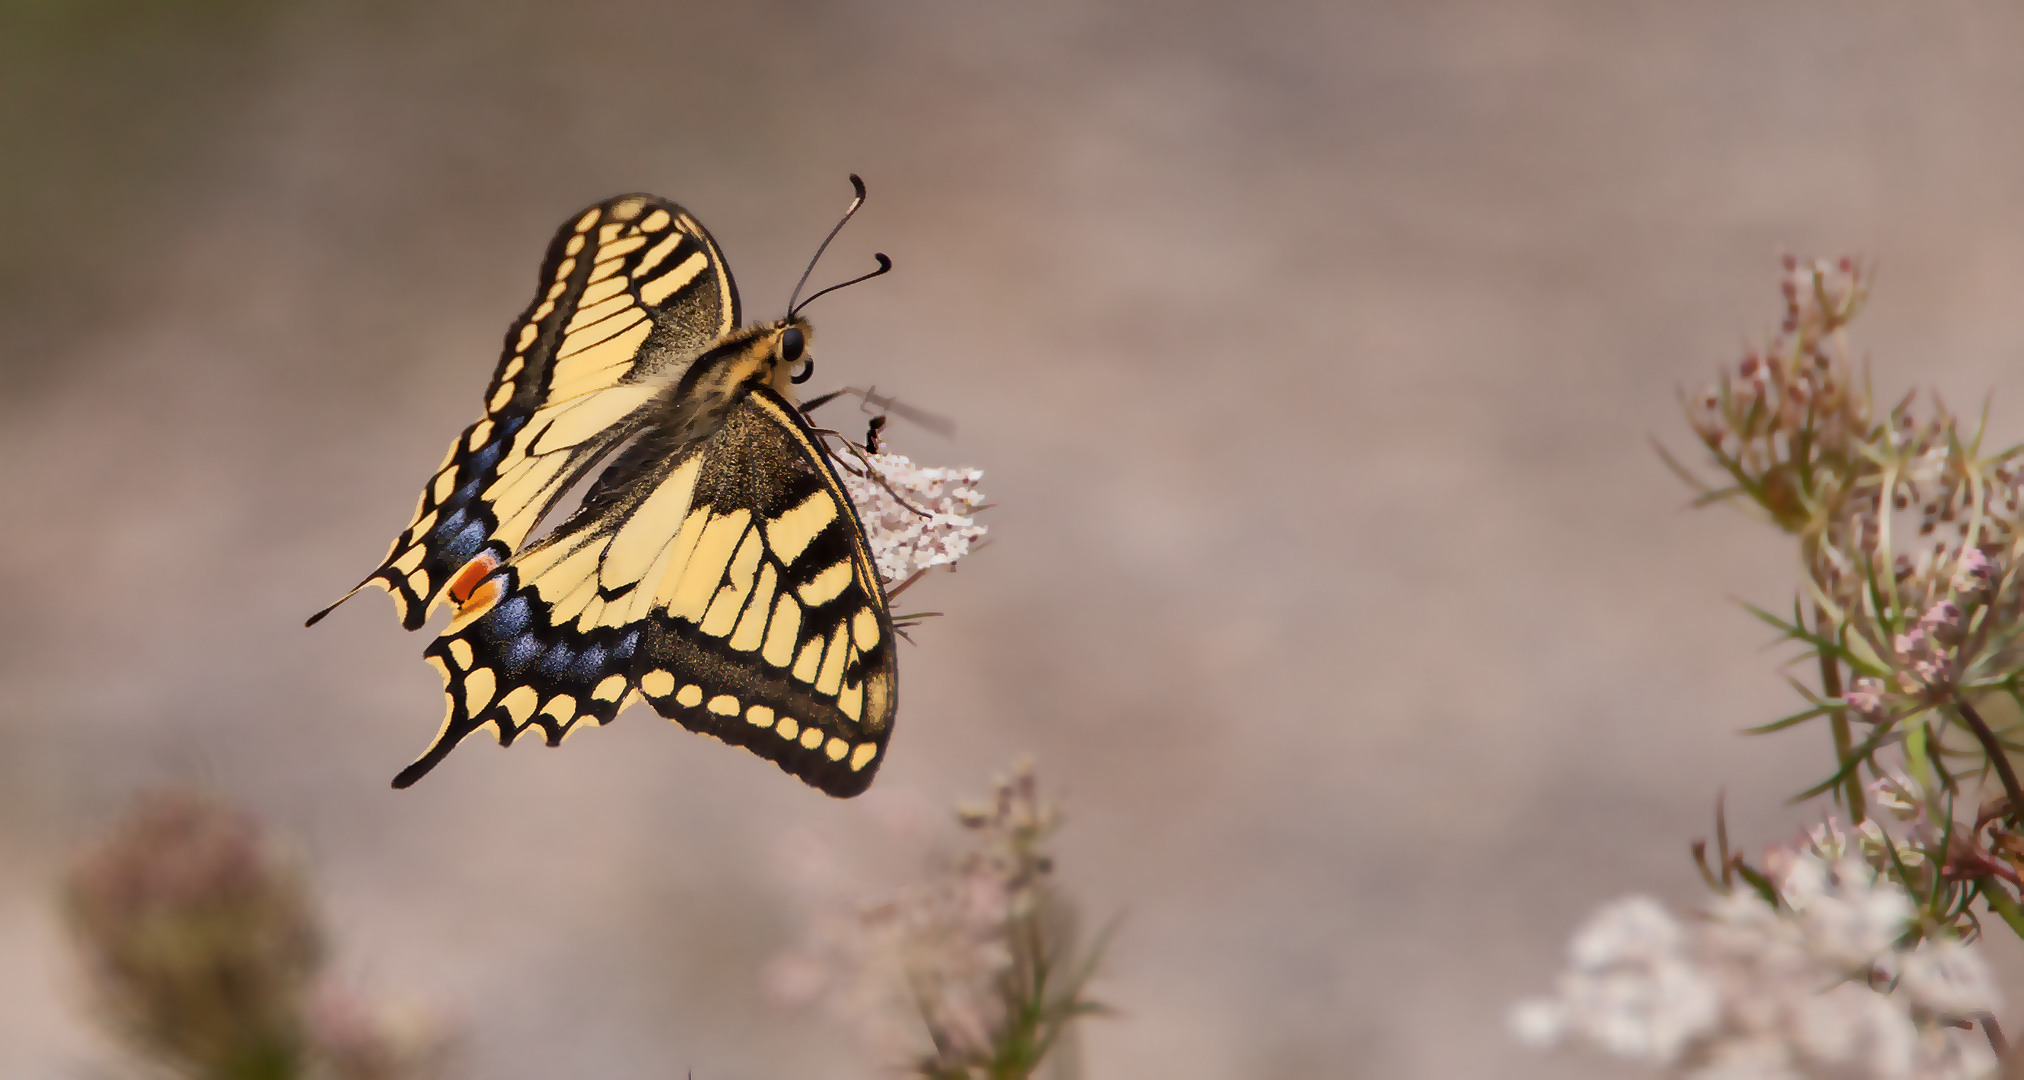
x,y
1998,757
2001,903
1830,685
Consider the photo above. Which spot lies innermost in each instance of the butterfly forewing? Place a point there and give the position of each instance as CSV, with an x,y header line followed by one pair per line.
x,y
630,288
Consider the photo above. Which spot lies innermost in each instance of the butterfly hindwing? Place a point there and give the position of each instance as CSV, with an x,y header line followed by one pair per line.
x,y
630,288
727,582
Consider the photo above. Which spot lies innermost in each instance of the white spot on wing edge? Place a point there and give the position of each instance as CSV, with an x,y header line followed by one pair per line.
x,y
411,558
479,686
864,629
520,703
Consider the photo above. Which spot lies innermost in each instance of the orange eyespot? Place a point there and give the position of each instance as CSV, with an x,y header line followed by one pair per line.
x,y
467,579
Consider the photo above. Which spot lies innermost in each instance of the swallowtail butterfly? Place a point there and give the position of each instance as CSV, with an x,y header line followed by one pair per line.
x,y
714,568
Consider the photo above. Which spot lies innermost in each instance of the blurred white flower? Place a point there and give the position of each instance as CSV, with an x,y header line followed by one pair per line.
x,y
1630,988
1948,978
1817,986
1842,912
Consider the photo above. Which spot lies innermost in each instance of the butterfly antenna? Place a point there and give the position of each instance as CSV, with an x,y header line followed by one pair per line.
x,y
884,264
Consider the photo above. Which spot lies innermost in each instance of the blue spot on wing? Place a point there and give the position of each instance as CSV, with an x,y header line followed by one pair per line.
x,y
507,619
520,653
448,527
466,544
589,665
483,460
555,661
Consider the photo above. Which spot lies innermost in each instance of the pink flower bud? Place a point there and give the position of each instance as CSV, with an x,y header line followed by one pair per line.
x,y
1974,573
1865,699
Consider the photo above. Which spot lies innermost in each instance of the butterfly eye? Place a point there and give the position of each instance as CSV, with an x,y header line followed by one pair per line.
x,y
794,350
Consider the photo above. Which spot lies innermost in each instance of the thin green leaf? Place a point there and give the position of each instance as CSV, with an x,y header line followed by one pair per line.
x,y
1686,475
1760,883
1788,629
1856,757
1904,874
1795,718
1795,631
2002,903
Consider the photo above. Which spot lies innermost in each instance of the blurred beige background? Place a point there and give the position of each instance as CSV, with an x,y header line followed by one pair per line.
x,y
1310,350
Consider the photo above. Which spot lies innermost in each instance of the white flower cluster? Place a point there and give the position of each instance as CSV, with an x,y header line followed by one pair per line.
x,y
1814,988
904,543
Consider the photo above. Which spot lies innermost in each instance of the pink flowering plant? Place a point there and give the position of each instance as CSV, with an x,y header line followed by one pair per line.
x,y
974,972
1850,951
1909,603
204,954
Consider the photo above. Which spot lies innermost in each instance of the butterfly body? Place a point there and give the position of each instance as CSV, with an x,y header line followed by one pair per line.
x,y
714,568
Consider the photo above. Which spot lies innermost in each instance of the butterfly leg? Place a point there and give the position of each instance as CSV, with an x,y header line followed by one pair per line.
x,y
819,401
